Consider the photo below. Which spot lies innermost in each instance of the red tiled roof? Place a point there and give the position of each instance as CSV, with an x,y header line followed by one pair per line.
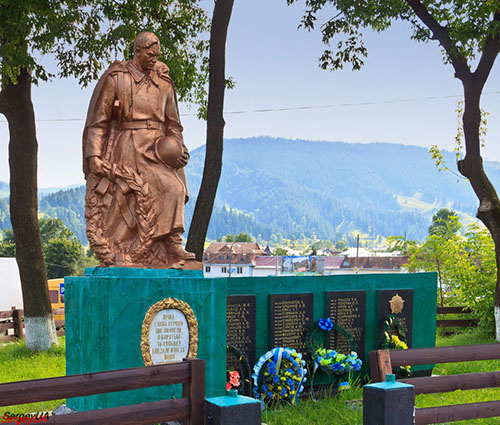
x,y
266,261
234,252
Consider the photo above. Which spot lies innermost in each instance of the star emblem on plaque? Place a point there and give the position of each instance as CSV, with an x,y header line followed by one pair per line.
x,y
169,332
397,304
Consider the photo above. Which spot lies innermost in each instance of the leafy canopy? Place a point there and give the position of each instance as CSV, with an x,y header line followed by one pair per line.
x,y
84,36
445,223
466,269
463,25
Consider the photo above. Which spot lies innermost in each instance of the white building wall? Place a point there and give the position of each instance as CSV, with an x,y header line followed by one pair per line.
x,y
216,270
266,271
10,285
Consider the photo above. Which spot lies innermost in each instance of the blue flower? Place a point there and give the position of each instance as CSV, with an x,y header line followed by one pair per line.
x,y
269,394
289,381
283,392
295,364
276,378
326,324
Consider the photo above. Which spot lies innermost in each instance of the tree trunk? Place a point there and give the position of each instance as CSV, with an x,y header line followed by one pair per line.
x,y
472,168
16,105
215,129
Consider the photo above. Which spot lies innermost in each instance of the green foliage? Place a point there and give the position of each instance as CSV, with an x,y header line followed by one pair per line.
x,y
54,228
323,245
84,36
62,250
445,223
7,249
242,237
62,257
340,245
279,251
400,243
466,23
466,270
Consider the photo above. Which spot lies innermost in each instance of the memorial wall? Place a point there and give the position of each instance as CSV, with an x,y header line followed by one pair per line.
x,y
106,310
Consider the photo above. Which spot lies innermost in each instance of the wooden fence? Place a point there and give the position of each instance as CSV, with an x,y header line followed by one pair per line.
x,y
382,362
13,319
189,408
461,323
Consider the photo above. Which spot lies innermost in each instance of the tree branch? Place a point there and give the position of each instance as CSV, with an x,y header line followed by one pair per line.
x,y
490,53
441,34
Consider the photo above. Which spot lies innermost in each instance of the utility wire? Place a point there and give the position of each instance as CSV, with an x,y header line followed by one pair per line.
x,y
301,108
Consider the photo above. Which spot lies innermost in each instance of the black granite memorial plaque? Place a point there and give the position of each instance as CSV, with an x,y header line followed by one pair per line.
x,y
400,303
348,310
241,329
291,314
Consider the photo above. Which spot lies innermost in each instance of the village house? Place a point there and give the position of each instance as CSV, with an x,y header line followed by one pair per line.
x,y
230,259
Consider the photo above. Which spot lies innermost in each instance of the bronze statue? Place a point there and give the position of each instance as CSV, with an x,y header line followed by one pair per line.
x,y
133,159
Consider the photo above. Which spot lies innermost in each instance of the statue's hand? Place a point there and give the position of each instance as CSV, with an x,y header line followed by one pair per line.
x,y
95,165
182,161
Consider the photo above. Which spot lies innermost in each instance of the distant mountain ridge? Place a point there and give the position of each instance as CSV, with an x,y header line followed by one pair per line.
x,y
300,188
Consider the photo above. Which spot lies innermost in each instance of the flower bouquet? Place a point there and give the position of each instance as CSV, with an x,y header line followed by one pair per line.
x,y
233,379
279,376
394,339
328,360
336,363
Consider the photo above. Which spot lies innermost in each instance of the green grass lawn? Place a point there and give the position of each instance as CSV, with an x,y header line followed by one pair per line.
x,y
19,364
333,410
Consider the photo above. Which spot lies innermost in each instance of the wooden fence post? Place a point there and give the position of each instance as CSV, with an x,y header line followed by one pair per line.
x,y
195,391
17,316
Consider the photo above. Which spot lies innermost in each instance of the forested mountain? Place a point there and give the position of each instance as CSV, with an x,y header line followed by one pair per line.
x,y
295,187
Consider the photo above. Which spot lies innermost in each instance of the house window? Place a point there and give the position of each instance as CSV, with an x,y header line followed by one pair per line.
x,y
224,269
207,269
228,257
221,257
239,270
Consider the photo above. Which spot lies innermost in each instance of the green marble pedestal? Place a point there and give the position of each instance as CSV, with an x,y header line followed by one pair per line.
x,y
104,314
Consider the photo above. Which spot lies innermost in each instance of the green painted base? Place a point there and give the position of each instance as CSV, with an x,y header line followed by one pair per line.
x,y
104,314
105,310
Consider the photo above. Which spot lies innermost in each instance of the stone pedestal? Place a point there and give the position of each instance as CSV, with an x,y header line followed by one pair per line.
x,y
388,403
232,409
105,310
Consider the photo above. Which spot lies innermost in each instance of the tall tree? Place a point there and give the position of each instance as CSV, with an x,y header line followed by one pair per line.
x,y
83,36
468,32
215,128
444,223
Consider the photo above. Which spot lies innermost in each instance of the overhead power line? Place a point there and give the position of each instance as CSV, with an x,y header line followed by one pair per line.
x,y
300,108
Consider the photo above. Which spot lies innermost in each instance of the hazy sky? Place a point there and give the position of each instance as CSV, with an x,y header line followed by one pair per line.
x,y
276,66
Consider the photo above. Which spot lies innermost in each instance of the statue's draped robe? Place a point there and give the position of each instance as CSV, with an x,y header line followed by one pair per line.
x,y
128,112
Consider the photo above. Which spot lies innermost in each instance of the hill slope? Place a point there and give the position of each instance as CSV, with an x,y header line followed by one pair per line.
x,y
294,187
